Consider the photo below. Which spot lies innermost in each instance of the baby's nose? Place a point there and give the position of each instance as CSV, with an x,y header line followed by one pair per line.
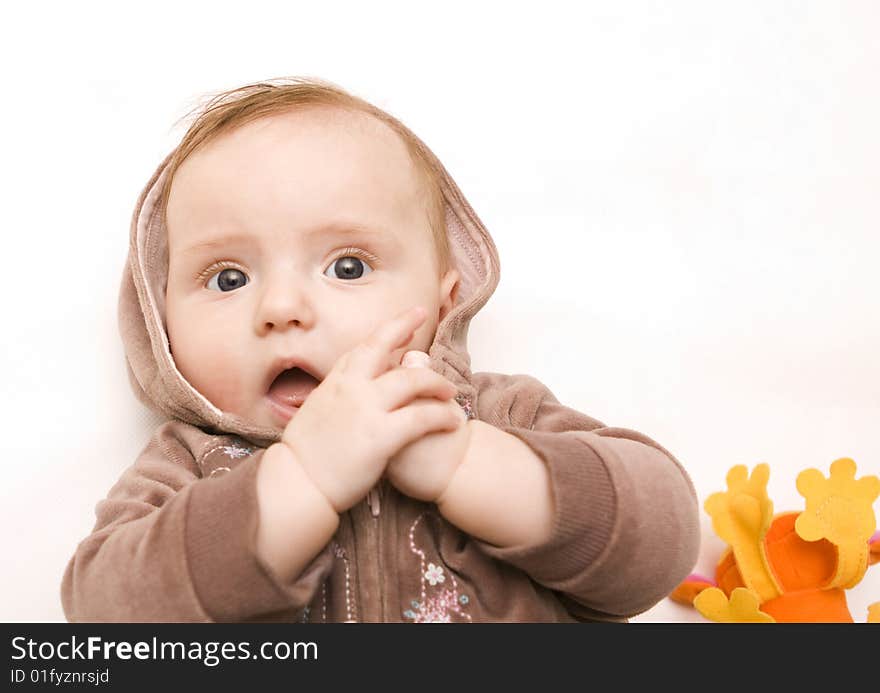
x,y
284,304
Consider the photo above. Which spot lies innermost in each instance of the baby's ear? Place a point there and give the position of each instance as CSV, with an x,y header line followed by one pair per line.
x,y
448,291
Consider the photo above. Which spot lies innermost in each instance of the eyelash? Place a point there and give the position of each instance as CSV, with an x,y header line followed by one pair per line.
x,y
209,271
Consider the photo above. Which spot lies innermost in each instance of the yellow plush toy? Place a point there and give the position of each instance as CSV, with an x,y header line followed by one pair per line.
x,y
794,566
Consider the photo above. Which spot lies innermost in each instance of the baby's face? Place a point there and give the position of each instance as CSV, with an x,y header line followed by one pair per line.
x,y
290,240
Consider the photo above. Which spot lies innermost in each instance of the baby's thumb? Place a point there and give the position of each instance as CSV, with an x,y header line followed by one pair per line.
x,y
415,359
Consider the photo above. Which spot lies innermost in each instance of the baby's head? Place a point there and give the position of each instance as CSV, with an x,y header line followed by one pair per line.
x,y
299,218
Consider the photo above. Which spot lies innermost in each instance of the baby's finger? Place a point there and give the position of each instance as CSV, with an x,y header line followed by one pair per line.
x,y
415,359
418,419
401,386
372,356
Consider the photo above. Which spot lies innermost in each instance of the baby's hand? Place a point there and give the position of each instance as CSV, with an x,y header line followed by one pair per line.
x,y
363,413
423,469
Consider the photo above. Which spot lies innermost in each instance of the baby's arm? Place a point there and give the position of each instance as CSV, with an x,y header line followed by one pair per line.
x,y
625,520
500,491
169,545
295,519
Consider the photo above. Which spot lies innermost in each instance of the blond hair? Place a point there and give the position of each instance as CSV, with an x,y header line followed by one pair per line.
x,y
229,109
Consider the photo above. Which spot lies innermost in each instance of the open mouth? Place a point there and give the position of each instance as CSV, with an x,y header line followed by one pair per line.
x,y
291,387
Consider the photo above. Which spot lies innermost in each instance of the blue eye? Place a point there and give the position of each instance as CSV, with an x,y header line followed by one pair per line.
x,y
348,267
228,279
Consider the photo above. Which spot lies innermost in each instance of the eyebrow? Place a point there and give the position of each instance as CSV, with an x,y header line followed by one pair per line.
x,y
335,229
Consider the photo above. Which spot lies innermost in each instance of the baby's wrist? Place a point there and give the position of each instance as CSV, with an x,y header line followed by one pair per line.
x,y
306,480
467,432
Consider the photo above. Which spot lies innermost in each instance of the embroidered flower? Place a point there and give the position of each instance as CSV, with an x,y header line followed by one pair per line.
x,y
434,574
442,602
236,451
435,609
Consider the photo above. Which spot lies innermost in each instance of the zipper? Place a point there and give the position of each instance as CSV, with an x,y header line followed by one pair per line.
x,y
373,500
367,524
380,547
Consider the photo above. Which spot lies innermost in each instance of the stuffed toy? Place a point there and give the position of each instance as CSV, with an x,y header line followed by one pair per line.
x,y
792,566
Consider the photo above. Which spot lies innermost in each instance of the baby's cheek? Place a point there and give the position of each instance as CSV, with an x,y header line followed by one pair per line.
x,y
211,362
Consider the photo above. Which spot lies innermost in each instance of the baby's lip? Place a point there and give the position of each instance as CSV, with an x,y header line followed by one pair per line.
x,y
284,363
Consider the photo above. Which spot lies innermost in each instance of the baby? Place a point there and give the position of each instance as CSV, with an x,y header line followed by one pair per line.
x,y
300,281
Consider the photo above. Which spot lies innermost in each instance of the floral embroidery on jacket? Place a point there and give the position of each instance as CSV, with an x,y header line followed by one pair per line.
x,y
434,574
444,600
236,451
223,456
319,603
465,403
349,602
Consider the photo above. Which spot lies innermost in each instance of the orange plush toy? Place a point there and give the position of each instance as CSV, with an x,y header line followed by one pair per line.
x,y
794,566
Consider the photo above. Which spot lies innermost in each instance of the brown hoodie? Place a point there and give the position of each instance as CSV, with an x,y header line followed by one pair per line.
x,y
175,537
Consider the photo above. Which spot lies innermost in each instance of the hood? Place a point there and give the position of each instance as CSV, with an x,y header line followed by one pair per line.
x,y
154,376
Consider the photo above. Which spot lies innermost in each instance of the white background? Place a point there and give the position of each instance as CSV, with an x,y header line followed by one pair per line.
x,y
684,196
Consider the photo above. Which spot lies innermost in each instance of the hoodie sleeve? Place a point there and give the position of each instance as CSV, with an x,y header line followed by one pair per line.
x,y
626,526
170,546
